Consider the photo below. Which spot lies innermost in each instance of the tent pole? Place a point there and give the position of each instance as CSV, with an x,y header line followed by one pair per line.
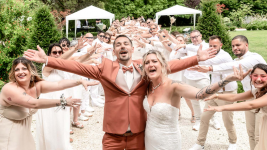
x,y
194,21
67,28
75,30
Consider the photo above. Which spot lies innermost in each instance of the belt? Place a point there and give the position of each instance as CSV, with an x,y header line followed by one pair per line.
x,y
128,133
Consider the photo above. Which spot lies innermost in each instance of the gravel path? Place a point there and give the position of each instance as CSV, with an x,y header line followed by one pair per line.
x,y
90,138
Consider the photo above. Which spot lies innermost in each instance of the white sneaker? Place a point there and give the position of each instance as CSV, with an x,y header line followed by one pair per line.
x,y
197,147
87,114
83,118
232,147
90,109
216,124
100,100
97,104
197,125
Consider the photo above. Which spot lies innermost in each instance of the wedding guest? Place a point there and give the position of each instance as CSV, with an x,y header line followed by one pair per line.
x,y
19,101
258,80
221,57
247,60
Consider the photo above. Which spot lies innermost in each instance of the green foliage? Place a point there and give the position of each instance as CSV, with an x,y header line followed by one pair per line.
x,y
258,6
238,15
210,24
15,21
240,87
43,30
232,28
137,8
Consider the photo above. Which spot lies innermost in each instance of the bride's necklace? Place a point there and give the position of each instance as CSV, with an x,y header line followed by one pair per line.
x,y
154,88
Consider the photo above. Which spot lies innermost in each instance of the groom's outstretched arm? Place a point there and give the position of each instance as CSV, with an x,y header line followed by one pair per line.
x,y
90,71
178,65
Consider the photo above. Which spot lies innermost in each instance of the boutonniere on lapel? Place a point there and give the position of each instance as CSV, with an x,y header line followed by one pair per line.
x,y
140,67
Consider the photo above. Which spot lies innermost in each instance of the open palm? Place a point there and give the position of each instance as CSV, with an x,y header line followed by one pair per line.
x,y
34,55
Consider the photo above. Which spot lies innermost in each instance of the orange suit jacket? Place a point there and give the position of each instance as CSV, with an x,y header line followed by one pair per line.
x,y
121,108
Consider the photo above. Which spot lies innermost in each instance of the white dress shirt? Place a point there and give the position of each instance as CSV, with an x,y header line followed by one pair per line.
x,y
159,47
221,57
84,49
128,76
191,50
96,41
247,61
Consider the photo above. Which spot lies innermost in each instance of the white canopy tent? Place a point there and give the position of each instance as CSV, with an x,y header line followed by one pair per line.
x,y
90,12
178,10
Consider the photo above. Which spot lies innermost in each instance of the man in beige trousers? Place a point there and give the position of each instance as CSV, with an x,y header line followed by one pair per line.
x,y
247,60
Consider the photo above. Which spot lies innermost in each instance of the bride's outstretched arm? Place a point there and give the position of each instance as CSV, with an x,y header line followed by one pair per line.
x,y
190,92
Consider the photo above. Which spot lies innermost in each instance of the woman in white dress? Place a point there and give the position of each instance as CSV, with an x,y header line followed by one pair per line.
x,y
162,128
176,54
53,126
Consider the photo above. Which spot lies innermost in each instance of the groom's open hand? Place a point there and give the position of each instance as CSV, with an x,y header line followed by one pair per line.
x,y
205,54
34,55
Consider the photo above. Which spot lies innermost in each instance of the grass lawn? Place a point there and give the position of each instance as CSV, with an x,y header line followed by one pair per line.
x,y
257,41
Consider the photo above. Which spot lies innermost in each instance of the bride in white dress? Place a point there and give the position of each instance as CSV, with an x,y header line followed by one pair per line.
x,y
162,128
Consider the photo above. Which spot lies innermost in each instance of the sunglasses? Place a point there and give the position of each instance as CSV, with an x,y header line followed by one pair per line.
x,y
89,37
101,36
164,36
107,38
64,45
55,52
148,22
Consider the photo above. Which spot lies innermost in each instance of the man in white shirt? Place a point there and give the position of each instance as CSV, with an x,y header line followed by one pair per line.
x,y
247,60
197,79
100,38
221,57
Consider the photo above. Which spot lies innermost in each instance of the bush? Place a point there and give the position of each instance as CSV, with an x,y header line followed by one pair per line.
x,y
44,29
254,27
232,28
210,24
15,22
249,27
265,27
240,87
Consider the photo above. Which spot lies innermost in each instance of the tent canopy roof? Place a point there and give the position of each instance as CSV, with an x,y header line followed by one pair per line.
x,y
91,12
178,10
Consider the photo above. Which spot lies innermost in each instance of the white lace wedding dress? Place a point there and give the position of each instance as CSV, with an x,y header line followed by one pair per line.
x,y
162,127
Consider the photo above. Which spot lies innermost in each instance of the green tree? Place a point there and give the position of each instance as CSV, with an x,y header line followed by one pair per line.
x,y
137,8
44,29
15,21
238,15
210,24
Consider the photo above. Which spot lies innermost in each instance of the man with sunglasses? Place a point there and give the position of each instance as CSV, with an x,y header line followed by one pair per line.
x,y
100,38
88,44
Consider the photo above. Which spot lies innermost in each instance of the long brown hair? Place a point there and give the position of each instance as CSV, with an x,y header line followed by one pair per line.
x,y
30,66
263,90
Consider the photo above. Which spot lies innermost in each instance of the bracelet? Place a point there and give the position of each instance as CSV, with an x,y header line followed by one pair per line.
x,y
217,96
63,101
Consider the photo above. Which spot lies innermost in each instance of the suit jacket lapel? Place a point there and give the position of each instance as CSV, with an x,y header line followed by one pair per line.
x,y
118,78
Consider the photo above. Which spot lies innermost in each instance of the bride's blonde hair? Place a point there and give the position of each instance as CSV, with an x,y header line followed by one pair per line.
x,y
165,70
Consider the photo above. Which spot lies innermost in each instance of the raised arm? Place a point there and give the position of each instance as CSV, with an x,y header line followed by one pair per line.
x,y
194,93
15,95
72,66
46,87
202,55
232,97
257,103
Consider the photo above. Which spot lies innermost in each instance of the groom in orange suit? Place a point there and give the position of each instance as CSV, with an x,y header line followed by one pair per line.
x,y
124,115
